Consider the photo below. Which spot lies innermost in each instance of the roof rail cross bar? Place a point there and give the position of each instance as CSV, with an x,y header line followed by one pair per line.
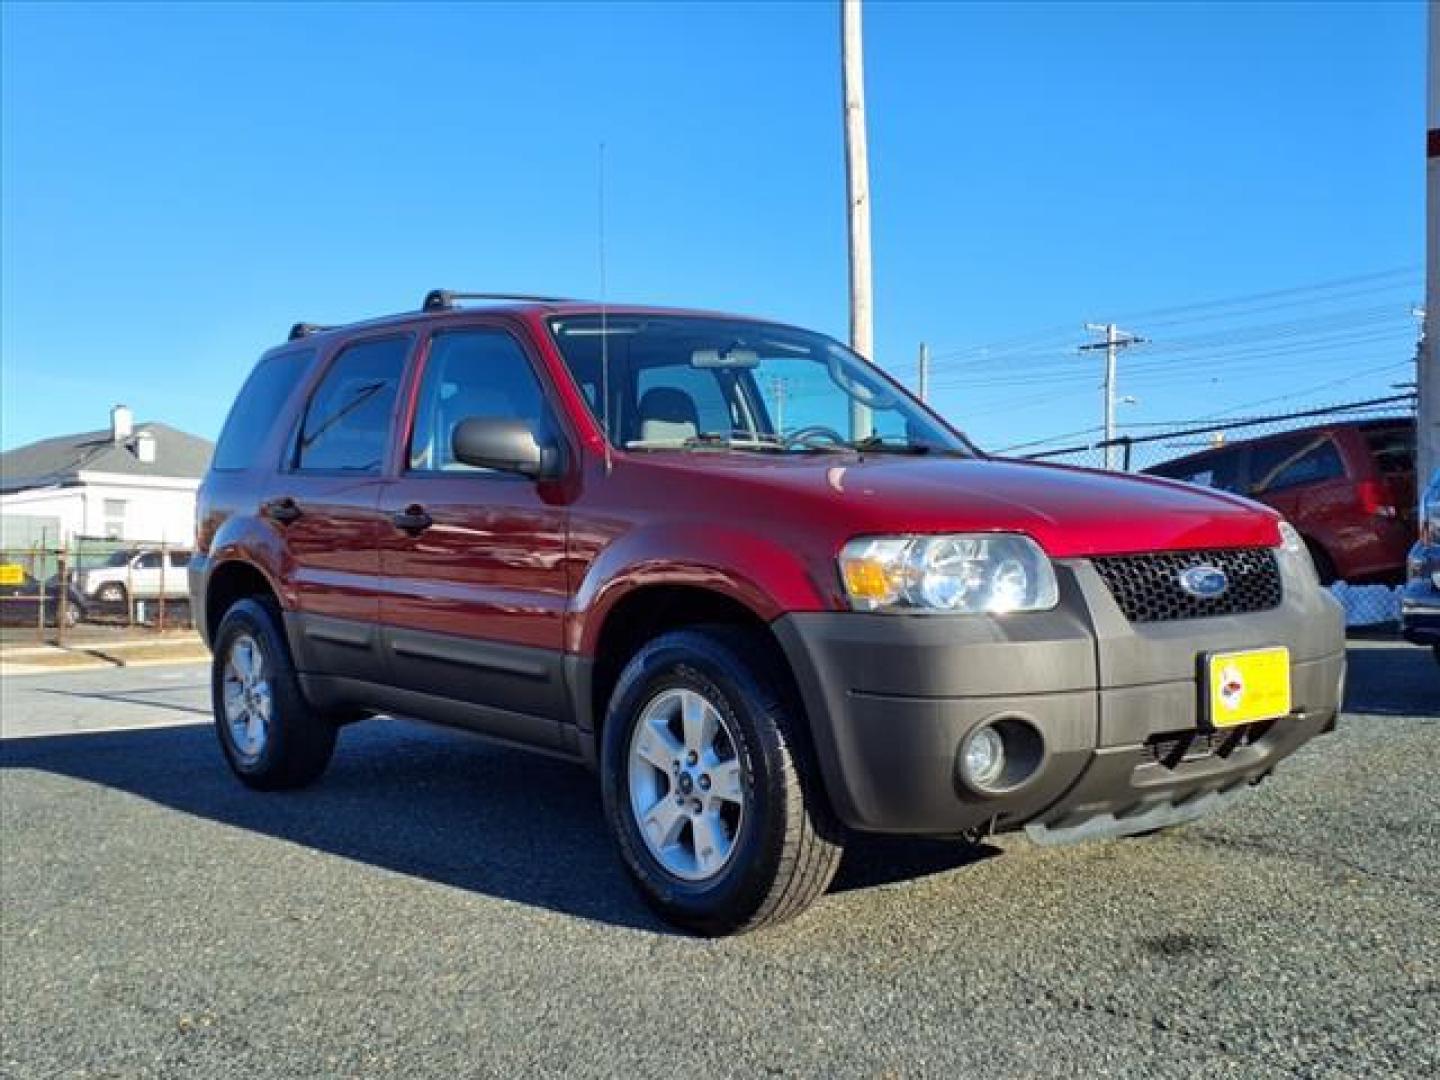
x,y
444,299
305,329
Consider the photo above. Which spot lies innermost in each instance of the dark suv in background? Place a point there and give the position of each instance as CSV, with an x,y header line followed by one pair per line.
x,y
1349,488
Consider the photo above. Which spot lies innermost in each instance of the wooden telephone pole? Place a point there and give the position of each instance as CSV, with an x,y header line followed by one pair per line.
x,y
857,190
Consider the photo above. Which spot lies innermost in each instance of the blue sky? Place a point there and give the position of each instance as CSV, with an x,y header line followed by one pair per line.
x,y
182,183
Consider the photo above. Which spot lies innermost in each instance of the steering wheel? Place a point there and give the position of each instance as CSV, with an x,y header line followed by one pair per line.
x,y
805,436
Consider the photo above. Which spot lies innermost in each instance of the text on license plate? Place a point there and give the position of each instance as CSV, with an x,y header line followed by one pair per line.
x,y
1244,687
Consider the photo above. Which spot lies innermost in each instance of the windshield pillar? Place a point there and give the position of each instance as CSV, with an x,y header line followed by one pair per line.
x,y
862,421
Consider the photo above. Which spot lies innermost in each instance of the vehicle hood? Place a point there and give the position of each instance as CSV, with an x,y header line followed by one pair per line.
x,y
1068,511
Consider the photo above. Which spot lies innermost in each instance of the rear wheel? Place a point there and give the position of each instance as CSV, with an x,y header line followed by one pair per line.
x,y
708,785
270,735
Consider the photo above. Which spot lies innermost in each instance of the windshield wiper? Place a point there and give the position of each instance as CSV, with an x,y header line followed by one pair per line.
x,y
877,444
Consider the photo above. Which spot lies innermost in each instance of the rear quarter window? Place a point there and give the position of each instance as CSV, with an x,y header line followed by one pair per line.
x,y
1393,449
256,407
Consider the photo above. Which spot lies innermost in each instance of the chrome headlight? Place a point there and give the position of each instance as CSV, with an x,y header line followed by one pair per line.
x,y
1293,545
968,573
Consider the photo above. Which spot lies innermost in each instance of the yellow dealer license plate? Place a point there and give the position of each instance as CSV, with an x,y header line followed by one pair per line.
x,y
1244,687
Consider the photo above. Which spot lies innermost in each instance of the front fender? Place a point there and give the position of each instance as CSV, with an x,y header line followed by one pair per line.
x,y
764,576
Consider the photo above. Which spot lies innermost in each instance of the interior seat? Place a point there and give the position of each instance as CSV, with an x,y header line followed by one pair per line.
x,y
667,415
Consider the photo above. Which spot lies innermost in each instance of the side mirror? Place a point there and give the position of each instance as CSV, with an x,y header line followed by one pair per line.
x,y
506,445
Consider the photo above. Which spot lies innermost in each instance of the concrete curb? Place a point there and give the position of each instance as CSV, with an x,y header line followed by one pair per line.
x,y
97,661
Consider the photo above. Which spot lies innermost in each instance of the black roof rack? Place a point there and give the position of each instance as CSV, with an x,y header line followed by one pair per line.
x,y
444,299
305,329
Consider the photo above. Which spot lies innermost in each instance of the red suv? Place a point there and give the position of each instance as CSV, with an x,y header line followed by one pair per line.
x,y
734,568
1348,488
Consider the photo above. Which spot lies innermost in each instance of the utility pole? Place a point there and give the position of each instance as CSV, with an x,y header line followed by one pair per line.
x,y
777,387
1427,356
1115,340
857,193
924,372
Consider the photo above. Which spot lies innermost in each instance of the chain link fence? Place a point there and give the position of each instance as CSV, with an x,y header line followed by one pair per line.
x,y
1365,605
1137,452
60,591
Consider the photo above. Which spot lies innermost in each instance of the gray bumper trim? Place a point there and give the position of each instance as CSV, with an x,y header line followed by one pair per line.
x,y
1161,816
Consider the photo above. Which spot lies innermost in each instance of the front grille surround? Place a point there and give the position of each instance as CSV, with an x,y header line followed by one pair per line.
x,y
1176,748
1147,587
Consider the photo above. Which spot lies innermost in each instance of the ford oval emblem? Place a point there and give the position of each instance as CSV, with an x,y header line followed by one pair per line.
x,y
1204,582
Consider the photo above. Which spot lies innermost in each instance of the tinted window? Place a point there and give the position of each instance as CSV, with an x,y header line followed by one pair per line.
x,y
1393,449
470,373
179,559
348,421
1288,462
1220,470
149,561
260,401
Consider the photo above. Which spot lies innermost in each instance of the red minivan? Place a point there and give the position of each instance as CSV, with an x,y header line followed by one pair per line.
x,y
1349,488
740,573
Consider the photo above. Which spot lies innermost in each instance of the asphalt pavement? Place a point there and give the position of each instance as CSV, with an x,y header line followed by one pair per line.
x,y
436,906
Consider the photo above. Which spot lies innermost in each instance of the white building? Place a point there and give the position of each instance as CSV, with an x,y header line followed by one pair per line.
x,y
132,482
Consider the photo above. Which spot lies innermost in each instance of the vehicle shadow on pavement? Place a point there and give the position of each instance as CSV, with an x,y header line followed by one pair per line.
x,y
414,800
872,861
430,803
1392,680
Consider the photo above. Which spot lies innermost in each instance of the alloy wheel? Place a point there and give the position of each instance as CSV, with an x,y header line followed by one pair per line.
x,y
686,789
247,698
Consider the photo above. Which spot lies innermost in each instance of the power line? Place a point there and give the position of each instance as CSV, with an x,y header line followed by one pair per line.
x,y
1284,298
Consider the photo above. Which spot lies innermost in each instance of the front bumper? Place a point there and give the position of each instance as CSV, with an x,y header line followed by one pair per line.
x,y
1420,599
891,699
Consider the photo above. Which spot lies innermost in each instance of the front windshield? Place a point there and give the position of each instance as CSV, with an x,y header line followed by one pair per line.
x,y
689,382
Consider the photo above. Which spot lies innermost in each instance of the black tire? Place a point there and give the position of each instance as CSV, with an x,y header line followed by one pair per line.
x,y
112,593
299,741
787,845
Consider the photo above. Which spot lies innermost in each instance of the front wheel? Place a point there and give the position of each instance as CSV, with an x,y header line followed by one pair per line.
x,y
271,736
709,788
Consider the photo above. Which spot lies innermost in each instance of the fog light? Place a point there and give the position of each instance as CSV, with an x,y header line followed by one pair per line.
x,y
984,757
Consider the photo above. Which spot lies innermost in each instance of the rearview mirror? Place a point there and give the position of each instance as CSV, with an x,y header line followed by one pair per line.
x,y
504,444
732,358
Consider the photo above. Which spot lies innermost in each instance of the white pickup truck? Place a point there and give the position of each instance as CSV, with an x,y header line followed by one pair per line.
x,y
137,574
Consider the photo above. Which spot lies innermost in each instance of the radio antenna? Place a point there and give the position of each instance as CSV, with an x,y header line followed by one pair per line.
x,y
604,319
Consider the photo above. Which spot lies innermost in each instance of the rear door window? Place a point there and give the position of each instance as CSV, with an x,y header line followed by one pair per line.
x,y
256,407
347,423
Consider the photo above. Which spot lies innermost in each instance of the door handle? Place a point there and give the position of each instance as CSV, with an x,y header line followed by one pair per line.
x,y
283,510
413,519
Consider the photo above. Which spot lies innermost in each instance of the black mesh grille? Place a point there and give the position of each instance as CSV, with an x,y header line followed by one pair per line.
x,y
1147,587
